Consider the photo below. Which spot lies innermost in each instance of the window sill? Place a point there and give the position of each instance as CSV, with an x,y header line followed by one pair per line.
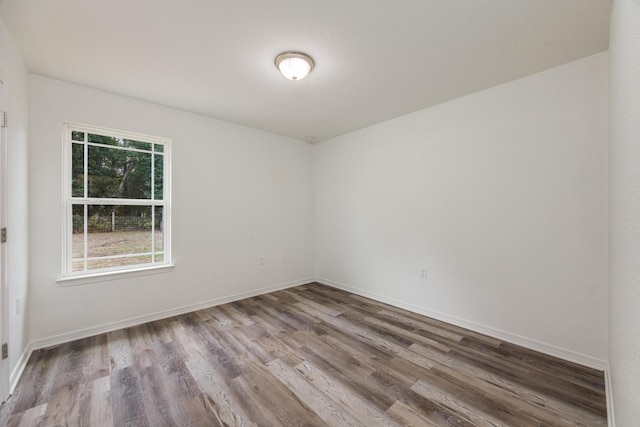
x,y
113,275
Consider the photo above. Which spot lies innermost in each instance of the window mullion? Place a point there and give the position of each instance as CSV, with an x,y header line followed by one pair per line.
x,y
153,233
85,246
128,202
85,167
85,227
69,219
153,208
115,147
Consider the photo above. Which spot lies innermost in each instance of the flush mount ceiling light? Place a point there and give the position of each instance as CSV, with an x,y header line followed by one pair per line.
x,y
294,65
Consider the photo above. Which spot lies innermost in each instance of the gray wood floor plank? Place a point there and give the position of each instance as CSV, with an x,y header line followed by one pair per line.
x,y
31,417
314,398
101,412
217,392
352,402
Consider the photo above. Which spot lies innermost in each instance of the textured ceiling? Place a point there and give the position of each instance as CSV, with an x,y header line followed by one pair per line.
x,y
375,59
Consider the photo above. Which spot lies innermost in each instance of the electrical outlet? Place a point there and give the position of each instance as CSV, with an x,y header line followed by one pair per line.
x,y
423,272
260,260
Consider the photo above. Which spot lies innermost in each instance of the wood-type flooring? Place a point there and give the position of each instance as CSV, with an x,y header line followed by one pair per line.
x,y
310,355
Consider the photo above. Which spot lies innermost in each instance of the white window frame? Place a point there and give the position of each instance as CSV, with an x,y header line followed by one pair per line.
x,y
87,276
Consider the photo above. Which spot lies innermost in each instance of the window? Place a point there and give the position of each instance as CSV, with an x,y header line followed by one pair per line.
x,y
116,190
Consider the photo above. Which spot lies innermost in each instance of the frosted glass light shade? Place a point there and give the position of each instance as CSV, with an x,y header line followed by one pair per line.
x,y
294,65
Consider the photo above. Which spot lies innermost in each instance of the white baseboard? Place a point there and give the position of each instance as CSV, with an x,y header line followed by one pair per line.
x,y
19,369
609,392
138,320
551,350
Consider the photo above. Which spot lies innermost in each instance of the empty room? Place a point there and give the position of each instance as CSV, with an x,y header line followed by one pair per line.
x,y
288,213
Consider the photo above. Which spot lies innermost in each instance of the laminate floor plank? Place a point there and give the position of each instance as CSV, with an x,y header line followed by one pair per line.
x,y
358,406
582,397
524,393
70,405
448,400
377,397
37,382
311,355
548,365
119,348
101,410
270,395
437,414
407,416
155,397
219,397
31,417
324,406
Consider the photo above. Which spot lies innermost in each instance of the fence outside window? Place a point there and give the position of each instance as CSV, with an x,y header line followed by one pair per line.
x,y
111,223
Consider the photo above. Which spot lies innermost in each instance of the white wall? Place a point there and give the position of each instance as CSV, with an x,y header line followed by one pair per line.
x,y
501,194
624,208
14,74
238,193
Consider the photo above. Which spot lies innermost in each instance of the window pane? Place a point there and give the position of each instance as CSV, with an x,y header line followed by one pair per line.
x,y
77,266
77,170
102,139
159,148
136,144
158,177
77,136
77,242
159,257
116,173
159,230
118,230
117,262
119,142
